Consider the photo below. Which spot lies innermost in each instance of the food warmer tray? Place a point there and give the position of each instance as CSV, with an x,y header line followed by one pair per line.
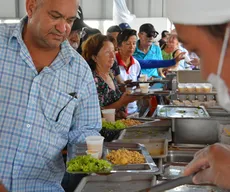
x,y
116,183
173,112
147,130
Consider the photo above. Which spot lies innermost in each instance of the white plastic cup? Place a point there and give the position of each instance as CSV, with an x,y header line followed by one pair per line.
x,y
190,88
207,88
95,143
199,88
182,88
144,87
109,114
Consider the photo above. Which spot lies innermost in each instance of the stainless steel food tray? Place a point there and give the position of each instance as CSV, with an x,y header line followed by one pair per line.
x,y
196,93
150,81
146,168
146,131
173,112
115,183
150,93
195,188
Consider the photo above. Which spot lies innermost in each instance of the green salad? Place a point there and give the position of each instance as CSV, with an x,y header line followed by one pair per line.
x,y
88,164
113,125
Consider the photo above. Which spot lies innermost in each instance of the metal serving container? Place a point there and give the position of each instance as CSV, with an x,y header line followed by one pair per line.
x,y
147,131
175,112
149,167
116,183
175,170
195,188
150,93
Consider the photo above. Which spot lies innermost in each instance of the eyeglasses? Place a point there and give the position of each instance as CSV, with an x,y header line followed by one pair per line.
x,y
151,35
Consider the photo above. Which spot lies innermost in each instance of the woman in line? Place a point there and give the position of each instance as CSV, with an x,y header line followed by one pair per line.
x,y
130,68
99,52
171,51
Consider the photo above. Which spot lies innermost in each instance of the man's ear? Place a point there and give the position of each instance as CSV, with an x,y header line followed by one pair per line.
x,y
139,35
30,7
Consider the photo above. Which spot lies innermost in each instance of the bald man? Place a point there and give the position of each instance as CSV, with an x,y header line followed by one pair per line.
x,y
48,97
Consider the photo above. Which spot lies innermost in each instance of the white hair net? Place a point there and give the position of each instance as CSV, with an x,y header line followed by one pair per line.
x,y
198,12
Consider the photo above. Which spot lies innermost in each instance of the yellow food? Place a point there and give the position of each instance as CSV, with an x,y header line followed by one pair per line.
x,y
124,157
130,122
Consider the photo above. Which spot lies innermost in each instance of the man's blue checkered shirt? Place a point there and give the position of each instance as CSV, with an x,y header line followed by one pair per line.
x,y
38,116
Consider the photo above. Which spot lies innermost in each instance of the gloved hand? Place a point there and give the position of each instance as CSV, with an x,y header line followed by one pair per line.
x,y
213,166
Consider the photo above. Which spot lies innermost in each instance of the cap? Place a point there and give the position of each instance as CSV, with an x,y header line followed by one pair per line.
x,y
79,23
149,29
124,26
197,12
114,28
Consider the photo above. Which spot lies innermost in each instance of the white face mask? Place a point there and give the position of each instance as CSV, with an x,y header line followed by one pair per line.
x,y
223,96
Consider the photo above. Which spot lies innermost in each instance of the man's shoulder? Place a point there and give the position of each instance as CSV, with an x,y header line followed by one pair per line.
x,y
79,62
6,30
154,47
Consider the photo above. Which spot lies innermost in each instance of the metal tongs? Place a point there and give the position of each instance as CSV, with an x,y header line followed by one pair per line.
x,y
170,184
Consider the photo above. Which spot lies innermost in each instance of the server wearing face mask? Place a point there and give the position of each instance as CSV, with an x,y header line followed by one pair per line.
x,y
205,30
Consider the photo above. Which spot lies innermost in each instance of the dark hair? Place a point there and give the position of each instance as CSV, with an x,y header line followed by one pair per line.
x,y
114,28
163,34
124,35
217,31
92,46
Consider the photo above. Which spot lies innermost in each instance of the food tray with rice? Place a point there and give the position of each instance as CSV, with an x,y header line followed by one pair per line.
x,y
116,183
124,158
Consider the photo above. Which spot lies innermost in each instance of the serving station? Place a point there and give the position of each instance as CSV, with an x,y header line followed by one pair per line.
x,y
168,140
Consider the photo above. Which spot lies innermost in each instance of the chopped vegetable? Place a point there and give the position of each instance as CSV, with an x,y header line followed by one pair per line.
x,y
113,125
88,164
